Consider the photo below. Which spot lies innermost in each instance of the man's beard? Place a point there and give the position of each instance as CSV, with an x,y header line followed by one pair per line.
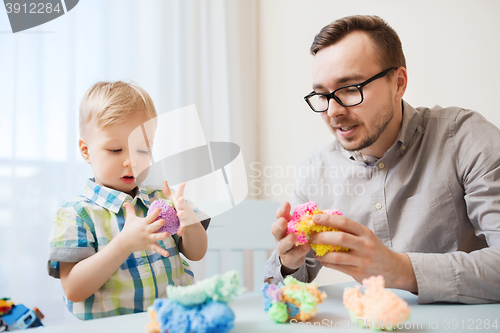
x,y
379,126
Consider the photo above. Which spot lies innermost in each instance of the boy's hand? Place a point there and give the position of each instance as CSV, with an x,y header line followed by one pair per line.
x,y
140,233
184,211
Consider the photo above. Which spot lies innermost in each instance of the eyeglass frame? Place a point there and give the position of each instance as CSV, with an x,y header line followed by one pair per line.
x,y
359,86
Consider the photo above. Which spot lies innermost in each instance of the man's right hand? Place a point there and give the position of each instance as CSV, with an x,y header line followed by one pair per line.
x,y
291,256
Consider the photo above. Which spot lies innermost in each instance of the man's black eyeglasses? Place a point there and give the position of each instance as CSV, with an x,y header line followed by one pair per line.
x,y
350,95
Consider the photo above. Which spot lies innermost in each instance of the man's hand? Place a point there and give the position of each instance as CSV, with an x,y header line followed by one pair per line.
x,y
140,233
185,213
367,255
291,256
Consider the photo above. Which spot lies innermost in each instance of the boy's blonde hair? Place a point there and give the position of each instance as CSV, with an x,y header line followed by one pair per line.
x,y
108,103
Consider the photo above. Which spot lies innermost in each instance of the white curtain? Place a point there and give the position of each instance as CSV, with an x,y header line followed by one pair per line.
x,y
181,52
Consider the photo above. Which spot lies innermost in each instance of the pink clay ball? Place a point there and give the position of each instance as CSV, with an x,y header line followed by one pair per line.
x,y
168,213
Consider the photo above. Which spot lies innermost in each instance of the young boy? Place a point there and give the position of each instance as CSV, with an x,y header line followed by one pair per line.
x,y
106,252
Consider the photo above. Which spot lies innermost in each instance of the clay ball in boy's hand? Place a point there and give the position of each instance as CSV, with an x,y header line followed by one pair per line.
x,y
168,214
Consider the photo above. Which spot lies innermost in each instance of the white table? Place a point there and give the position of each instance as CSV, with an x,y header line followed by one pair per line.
x,y
251,318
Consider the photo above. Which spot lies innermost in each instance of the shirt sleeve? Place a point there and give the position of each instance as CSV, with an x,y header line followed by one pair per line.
x,y
469,277
306,273
71,238
311,267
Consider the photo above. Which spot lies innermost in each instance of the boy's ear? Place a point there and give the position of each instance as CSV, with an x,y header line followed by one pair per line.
x,y
84,150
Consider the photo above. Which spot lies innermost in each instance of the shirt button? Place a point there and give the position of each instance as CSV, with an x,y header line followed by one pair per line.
x,y
378,205
381,165
146,275
403,148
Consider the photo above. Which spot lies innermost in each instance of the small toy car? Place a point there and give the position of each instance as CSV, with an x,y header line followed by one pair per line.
x,y
18,317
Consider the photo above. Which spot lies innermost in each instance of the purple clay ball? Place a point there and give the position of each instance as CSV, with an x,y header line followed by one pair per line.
x,y
168,213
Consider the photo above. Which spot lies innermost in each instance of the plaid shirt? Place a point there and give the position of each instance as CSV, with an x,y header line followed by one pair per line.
x,y
89,222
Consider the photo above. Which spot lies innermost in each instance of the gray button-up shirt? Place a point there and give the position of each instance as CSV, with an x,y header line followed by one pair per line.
x,y
435,194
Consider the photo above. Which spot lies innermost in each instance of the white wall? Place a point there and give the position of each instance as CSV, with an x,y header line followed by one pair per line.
x,y
452,49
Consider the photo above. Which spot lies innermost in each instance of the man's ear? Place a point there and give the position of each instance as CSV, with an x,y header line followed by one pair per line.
x,y
84,150
402,81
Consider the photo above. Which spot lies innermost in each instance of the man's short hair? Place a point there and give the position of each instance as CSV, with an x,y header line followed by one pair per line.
x,y
384,38
108,103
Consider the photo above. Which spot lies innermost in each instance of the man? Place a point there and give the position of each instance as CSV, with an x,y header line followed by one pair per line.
x,y
419,188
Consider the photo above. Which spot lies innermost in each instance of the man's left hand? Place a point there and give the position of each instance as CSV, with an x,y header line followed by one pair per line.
x,y
367,256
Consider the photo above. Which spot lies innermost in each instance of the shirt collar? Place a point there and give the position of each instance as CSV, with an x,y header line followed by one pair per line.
x,y
357,156
411,118
408,127
112,199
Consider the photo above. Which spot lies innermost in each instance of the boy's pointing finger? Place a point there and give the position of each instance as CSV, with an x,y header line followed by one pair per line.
x,y
166,190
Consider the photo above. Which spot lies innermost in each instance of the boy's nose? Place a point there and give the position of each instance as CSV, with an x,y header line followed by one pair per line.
x,y
129,162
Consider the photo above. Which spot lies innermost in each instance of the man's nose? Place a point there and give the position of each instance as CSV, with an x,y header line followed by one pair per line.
x,y
335,109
